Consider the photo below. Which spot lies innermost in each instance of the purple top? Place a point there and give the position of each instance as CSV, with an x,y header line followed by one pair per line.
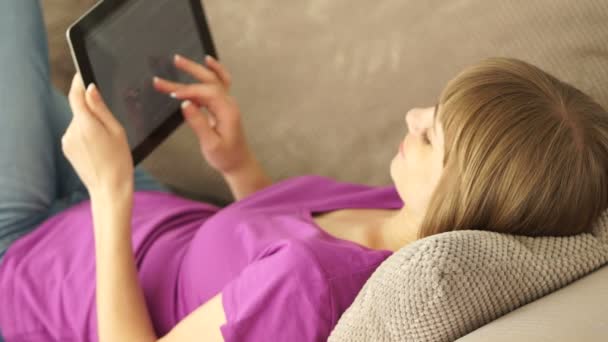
x,y
281,276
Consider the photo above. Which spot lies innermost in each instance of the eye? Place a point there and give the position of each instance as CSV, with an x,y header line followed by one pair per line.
x,y
425,137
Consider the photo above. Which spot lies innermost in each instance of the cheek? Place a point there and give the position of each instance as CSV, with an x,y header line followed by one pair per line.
x,y
417,156
416,172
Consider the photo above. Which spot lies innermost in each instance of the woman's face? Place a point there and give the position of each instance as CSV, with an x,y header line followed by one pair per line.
x,y
418,164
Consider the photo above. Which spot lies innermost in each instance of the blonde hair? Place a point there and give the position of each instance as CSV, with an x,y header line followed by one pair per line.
x,y
525,154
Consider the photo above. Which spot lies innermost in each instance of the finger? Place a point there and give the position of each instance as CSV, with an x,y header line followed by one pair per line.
x,y
205,93
209,115
219,69
82,113
210,96
99,108
70,137
200,124
166,86
212,120
198,71
66,138
73,93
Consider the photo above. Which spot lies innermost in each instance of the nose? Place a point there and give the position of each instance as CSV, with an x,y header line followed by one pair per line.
x,y
414,120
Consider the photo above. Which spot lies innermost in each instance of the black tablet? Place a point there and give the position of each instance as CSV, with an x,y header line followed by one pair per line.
x,y
121,44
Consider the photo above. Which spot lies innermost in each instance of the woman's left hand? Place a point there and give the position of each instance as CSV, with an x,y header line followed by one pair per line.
x,y
95,143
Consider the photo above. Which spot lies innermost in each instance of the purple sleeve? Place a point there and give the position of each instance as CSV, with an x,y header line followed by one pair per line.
x,y
281,296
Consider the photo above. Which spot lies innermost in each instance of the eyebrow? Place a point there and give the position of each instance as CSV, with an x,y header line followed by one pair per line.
x,y
434,118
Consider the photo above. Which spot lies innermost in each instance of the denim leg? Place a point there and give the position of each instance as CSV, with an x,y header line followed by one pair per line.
x,y
36,180
67,180
27,167
146,182
143,181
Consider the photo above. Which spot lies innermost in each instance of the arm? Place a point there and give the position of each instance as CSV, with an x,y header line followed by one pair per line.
x,y
121,309
247,180
220,132
96,145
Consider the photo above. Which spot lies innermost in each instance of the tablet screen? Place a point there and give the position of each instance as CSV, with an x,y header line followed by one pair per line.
x,y
132,45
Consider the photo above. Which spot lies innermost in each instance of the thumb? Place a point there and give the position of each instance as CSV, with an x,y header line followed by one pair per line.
x,y
199,123
98,106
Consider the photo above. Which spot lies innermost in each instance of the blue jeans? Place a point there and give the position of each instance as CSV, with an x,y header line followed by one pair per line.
x,y
36,180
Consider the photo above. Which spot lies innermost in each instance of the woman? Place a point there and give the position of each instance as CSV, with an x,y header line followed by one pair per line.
x,y
98,251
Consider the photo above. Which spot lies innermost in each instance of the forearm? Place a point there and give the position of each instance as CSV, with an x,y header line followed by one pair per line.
x,y
122,314
247,180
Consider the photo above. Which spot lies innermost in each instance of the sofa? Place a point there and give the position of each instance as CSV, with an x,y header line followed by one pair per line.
x,y
324,86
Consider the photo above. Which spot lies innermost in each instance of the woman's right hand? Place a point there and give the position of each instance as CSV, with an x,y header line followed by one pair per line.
x,y
220,132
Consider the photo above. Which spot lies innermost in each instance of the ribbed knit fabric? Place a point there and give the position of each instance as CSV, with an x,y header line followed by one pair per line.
x,y
445,286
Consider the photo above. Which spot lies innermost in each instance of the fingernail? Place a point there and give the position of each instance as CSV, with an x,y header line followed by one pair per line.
x,y
208,57
185,103
91,87
173,95
177,57
155,79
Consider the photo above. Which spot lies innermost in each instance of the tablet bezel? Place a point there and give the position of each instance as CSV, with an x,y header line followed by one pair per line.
x,y
93,17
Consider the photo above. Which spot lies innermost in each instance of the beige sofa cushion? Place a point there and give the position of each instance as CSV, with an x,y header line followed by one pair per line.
x,y
447,285
575,313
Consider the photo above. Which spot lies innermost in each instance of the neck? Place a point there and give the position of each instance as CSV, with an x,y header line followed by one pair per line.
x,y
399,229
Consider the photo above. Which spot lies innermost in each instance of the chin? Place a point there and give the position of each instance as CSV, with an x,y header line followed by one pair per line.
x,y
392,169
394,172
398,170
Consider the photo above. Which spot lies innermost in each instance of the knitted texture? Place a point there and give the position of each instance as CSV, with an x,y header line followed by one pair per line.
x,y
442,287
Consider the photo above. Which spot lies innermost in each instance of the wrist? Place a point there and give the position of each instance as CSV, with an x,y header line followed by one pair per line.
x,y
111,211
246,169
109,196
247,179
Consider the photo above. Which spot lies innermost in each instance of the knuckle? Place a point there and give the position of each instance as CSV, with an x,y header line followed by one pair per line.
x,y
213,146
214,90
189,90
120,131
65,142
215,78
71,95
206,90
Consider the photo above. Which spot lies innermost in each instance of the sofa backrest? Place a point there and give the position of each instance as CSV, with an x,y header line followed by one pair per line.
x,y
324,85
576,312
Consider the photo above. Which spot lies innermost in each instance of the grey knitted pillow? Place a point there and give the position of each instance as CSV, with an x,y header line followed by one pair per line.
x,y
443,287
